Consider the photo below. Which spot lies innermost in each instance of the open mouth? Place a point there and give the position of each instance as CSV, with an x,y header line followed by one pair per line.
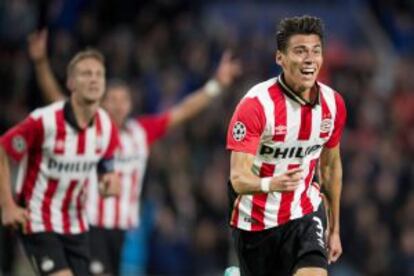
x,y
308,72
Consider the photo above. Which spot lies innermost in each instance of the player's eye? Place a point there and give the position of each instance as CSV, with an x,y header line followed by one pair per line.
x,y
317,51
299,51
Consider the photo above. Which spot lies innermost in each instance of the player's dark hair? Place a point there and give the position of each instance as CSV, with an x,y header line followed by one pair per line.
x,y
297,25
115,84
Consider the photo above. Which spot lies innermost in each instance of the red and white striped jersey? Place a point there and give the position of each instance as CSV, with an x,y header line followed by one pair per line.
x,y
136,137
56,159
283,132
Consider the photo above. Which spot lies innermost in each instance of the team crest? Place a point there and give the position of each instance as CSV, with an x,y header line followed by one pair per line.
x,y
326,125
239,131
19,143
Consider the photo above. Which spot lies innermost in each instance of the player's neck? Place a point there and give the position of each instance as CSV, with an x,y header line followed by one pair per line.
x,y
84,112
304,93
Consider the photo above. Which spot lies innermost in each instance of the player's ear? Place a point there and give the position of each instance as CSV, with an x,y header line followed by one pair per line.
x,y
279,58
70,84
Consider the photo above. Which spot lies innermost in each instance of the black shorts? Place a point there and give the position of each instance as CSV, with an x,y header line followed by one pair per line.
x,y
284,249
51,252
106,250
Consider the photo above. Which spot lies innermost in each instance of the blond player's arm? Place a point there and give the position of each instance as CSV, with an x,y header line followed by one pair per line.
x,y
331,173
11,213
49,86
190,106
244,181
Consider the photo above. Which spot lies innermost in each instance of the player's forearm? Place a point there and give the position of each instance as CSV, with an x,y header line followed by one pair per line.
x,y
332,183
6,196
245,182
48,84
194,103
189,107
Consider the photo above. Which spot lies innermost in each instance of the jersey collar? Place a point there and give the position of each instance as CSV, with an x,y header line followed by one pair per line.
x,y
70,117
291,94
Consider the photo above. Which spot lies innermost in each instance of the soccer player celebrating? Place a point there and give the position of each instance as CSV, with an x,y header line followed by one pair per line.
x,y
279,132
111,217
58,148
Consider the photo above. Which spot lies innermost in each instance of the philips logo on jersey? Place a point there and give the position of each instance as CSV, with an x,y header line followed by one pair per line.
x,y
288,152
71,167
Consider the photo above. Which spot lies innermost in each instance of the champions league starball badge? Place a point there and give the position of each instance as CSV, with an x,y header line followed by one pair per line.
x,y
239,131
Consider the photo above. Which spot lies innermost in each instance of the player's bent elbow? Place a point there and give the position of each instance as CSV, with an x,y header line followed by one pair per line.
x,y
235,179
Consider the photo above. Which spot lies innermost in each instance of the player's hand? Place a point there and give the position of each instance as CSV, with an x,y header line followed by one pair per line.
x,y
37,44
228,70
334,247
14,216
288,181
109,185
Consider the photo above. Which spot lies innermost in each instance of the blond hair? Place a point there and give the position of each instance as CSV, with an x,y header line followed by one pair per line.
x,y
88,53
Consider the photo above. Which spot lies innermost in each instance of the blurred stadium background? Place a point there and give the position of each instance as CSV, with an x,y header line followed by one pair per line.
x,y
166,48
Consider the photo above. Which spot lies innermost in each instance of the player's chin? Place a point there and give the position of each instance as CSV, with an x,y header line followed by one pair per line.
x,y
94,97
308,83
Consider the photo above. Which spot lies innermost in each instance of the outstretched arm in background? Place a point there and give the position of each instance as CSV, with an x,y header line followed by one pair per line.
x,y
37,47
227,71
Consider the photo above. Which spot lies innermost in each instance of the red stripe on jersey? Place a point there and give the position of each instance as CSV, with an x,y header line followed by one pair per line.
x,y
80,204
235,213
340,118
316,185
258,209
267,170
81,142
98,126
326,115
305,122
33,165
260,199
285,202
60,132
280,113
305,202
66,205
118,204
47,202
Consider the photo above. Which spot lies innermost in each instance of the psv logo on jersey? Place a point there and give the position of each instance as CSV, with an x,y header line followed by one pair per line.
x,y
326,125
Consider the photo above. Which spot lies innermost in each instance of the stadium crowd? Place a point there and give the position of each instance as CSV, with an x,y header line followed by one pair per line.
x,y
165,50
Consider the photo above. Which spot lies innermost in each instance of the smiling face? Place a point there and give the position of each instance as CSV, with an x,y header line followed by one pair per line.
x,y
301,61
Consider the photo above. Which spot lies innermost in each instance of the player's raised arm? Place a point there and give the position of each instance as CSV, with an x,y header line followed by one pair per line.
x,y
37,47
227,71
331,172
